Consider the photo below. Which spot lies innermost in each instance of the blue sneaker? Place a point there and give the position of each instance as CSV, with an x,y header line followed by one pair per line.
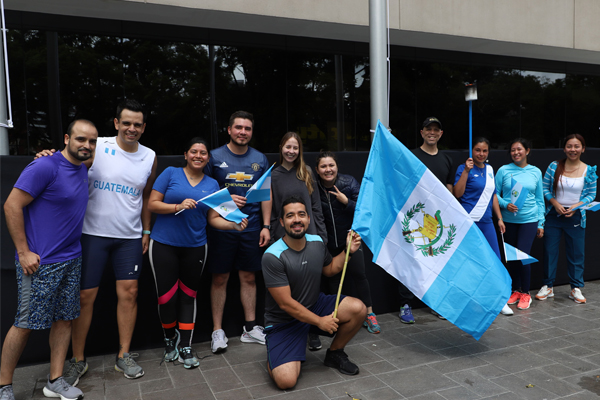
x,y
406,315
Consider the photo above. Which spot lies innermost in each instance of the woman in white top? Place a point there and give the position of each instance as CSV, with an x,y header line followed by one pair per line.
x,y
568,183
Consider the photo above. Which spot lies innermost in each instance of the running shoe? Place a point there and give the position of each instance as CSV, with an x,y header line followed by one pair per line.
x,y
577,296
339,359
60,388
544,293
437,314
314,343
219,341
406,315
371,323
524,301
171,345
187,358
514,297
506,310
75,371
128,366
6,393
256,335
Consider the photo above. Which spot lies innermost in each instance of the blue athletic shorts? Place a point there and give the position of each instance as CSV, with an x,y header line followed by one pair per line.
x,y
125,256
49,294
230,251
287,342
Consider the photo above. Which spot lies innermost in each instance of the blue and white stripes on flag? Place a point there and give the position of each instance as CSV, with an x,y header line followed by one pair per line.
x,y
421,235
593,206
222,203
511,253
261,190
518,194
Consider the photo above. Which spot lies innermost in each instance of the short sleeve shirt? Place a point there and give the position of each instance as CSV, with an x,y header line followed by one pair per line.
x,y
440,165
54,218
300,270
186,229
237,173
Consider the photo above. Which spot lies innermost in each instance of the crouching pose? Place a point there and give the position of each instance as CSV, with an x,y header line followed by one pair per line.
x,y
292,269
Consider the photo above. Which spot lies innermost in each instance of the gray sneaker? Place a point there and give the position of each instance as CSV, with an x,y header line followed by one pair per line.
x,y
219,341
128,366
62,389
6,393
75,371
171,345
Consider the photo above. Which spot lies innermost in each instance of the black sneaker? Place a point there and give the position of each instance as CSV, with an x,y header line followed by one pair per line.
x,y
314,343
338,359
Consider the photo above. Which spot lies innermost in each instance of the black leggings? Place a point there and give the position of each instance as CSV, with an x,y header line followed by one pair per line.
x,y
177,272
356,272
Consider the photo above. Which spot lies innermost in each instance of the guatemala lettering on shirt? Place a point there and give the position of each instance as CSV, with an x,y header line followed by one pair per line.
x,y
115,187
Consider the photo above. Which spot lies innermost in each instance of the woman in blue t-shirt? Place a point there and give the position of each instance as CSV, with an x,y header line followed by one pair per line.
x,y
475,189
568,183
178,246
522,224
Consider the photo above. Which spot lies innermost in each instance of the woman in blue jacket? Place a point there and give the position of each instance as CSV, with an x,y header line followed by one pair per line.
x,y
475,189
338,194
568,183
522,224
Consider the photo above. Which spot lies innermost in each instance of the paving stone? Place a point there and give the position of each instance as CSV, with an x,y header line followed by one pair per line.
x,y
384,393
247,353
501,338
222,379
127,391
458,393
201,391
411,355
519,387
252,373
546,381
513,359
378,367
355,386
416,381
458,364
315,374
475,383
181,377
235,394
265,390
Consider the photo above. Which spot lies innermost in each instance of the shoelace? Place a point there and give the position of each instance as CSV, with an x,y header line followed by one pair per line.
x,y
63,383
129,361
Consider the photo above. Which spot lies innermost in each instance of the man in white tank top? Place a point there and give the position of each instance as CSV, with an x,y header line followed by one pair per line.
x,y
116,228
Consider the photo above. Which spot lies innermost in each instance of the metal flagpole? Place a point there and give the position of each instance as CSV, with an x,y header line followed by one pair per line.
x,y
378,59
470,95
4,92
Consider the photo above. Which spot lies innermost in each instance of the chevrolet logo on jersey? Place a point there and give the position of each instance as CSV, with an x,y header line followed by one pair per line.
x,y
239,176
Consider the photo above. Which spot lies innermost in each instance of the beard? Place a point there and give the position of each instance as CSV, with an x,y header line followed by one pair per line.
x,y
80,156
295,235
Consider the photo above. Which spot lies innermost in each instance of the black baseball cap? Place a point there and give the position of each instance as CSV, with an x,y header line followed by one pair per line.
x,y
431,120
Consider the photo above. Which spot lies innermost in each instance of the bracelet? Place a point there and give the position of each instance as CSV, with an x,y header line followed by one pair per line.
x,y
175,207
146,232
500,219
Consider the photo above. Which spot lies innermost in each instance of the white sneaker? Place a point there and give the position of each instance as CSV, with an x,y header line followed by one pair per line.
x,y
219,341
577,296
506,310
256,335
544,293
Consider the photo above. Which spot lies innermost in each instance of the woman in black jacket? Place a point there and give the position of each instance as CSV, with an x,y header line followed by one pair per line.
x,y
338,194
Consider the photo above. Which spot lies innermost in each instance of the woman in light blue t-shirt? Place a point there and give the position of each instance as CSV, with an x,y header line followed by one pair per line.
x,y
522,224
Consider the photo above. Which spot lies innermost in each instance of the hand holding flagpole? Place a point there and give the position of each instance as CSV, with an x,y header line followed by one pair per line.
x,y
353,235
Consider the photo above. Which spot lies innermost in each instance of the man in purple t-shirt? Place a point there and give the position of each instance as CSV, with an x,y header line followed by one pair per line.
x,y
44,214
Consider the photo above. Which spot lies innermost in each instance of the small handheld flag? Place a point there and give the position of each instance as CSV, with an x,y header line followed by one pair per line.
x,y
261,190
593,206
511,253
518,194
222,203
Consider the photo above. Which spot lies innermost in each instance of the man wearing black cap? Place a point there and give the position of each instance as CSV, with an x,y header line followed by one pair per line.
x,y
440,165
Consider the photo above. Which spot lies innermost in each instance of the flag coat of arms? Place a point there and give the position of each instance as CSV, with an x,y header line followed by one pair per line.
x,y
222,202
421,235
261,190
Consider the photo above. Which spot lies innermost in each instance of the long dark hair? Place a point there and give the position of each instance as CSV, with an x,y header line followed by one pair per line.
x,y
324,154
193,141
560,168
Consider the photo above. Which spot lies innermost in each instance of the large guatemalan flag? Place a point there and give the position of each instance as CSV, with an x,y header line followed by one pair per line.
x,y
421,235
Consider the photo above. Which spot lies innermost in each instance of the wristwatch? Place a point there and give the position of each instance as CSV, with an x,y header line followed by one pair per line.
x,y
267,226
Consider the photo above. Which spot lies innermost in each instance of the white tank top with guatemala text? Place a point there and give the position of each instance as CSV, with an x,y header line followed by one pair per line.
x,y
116,185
